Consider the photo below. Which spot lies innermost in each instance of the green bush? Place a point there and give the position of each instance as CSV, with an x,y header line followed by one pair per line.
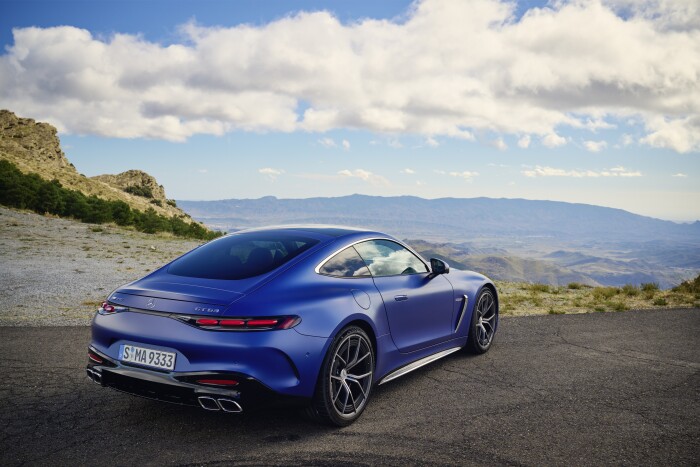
x,y
649,287
660,302
137,190
604,293
689,286
630,290
29,191
574,285
539,288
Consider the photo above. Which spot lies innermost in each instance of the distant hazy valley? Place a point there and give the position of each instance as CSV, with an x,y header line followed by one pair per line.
x,y
507,239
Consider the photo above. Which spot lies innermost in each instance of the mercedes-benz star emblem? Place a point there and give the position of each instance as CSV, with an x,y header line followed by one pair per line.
x,y
151,304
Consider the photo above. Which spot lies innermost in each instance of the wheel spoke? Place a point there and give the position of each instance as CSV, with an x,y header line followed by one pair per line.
x,y
340,388
347,395
359,377
359,386
354,364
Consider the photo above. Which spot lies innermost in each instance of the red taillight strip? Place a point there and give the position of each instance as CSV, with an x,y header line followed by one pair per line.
x,y
232,322
261,322
94,357
207,322
244,324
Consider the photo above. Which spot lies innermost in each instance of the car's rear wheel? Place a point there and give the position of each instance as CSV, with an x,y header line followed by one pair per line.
x,y
345,382
484,322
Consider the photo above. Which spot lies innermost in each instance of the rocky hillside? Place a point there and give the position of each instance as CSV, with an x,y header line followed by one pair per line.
x,y
135,181
35,147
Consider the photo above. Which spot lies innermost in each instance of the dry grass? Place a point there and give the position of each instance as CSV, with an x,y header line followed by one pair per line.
x,y
521,299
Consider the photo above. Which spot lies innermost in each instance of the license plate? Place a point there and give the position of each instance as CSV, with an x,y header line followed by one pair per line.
x,y
147,357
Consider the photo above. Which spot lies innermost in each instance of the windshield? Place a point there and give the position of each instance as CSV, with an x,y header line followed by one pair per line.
x,y
241,256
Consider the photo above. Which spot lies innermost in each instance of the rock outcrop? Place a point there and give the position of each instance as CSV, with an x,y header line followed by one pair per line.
x,y
135,179
35,147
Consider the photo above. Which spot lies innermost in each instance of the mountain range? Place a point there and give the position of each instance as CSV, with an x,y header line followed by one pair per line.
x,y
513,239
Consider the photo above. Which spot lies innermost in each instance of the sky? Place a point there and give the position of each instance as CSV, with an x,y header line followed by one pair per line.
x,y
593,102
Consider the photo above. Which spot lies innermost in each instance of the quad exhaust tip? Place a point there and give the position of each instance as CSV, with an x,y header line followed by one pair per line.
x,y
227,405
95,376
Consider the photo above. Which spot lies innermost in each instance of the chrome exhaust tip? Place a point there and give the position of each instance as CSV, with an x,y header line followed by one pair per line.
x,y
208,403
95,376
227,405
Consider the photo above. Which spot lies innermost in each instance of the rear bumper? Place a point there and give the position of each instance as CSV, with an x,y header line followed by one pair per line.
x,y
282,361
181,388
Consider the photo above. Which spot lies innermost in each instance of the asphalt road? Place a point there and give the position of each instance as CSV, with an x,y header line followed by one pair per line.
x,y
605,388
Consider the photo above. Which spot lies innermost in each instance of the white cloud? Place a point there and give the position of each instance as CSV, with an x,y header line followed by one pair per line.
x,y
432,142
346,144
680,134
539,171
570,64
365,175
679,175
327,142
271,173
467,175
553,140
595,146
408,171
394,143
499,144
627,139
524,142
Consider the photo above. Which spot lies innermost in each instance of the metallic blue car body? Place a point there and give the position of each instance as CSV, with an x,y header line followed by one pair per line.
x,y
287,361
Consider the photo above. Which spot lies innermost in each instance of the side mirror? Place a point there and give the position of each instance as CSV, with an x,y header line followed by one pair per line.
x,y
439,266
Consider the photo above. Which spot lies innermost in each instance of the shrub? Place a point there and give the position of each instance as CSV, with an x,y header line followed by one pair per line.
x,y
660,302
171,202
689,286
539,288
604,293
157,202
630,290
649,287
139,190
552,311
618,305
574,285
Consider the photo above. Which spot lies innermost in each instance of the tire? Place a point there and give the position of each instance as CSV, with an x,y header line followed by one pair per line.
x,y
345,381
484,323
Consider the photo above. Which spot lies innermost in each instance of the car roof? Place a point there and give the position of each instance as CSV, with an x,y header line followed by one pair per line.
x,y
319,229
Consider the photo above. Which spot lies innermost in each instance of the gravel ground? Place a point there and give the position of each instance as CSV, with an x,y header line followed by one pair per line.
x,y
55,272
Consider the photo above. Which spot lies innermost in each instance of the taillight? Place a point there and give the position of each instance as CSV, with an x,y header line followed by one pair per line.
x,y
242,324
94,357
107,308
207,322
261,323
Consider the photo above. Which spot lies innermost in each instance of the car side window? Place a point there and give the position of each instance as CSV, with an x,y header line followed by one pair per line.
x,y
387,258
347,263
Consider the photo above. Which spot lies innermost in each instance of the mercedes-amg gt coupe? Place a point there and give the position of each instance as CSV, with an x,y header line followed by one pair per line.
x,y
315,315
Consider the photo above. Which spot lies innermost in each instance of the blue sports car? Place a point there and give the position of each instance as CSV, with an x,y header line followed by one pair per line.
x,y
304,314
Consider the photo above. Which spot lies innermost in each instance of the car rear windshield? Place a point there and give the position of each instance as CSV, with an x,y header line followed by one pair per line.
x,y
241,256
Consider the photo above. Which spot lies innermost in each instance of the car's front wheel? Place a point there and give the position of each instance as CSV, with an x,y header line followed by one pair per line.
x,y
345,382
484,322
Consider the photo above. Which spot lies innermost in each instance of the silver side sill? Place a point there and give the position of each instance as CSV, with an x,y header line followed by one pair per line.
x,y
417,364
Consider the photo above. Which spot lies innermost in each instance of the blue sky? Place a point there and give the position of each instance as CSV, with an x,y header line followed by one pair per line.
x,y
434,99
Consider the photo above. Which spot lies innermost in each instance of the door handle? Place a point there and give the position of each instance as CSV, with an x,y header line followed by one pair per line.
x,y
401,298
